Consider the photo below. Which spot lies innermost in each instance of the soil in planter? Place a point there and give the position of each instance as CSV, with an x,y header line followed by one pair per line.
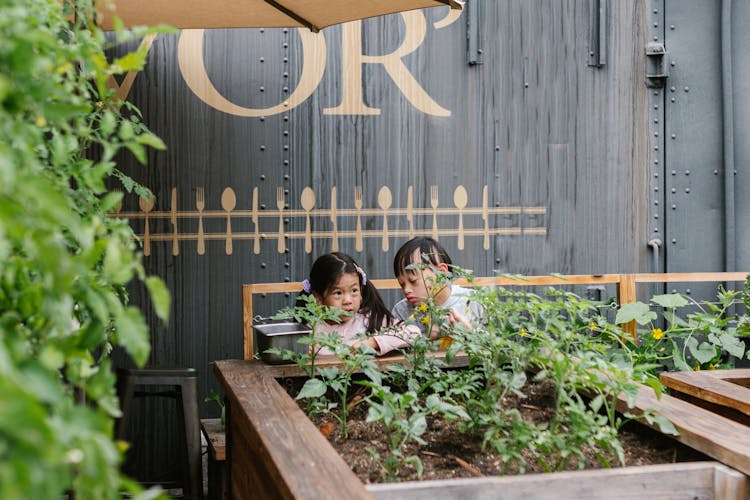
x,y
451,454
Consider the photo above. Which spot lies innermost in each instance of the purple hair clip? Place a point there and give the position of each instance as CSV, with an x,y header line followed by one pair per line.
x,y
306,286
362,273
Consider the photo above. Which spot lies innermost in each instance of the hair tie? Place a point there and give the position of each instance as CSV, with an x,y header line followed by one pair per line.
x,y
361,273
306,286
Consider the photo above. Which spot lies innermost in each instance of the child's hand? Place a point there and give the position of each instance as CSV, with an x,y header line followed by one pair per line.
x,y
369,341
454,318
448,322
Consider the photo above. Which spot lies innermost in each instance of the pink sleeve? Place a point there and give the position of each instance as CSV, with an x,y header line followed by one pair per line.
x,y
397,338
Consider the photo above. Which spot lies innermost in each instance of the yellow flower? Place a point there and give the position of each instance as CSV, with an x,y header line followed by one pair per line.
x,y
523,332
40,121
445,342
697,368
711,367
425,320
657,333
422,308
592,326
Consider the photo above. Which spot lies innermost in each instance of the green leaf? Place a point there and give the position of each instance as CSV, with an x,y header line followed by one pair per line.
x,y
160,297
596,403
450,411
372,372
670,300
417,424
138,151
732,345
116,266
132,334
703,352
130,61
108,123
38,381
665,426
149,139
313,388
126,130
637,311
654,384
415,462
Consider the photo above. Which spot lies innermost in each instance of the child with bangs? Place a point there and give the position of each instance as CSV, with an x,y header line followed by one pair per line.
x,y
336,280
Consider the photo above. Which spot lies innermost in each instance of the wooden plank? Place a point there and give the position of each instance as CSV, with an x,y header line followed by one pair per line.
x,y
731,484
714,389
739,376
293,370
695,480
718,437
272,438
724,411
689,277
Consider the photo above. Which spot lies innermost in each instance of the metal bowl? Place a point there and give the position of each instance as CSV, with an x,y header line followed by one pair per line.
x,y
280,336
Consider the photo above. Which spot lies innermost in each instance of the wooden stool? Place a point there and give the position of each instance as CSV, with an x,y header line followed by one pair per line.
x,y
186,382
217,458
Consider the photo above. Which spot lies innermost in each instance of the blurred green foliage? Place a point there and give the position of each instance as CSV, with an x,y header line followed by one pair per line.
x,y
64,263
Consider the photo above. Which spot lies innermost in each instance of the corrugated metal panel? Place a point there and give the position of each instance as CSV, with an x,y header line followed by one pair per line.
x,y
741,74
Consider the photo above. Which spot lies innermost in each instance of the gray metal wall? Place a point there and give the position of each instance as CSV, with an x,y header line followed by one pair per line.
x,y
543,102
701,233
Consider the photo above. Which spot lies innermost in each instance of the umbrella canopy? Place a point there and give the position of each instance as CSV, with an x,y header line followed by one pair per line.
x,y
313,14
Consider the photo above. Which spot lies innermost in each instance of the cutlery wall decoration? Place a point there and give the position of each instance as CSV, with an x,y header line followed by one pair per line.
x,y
533,218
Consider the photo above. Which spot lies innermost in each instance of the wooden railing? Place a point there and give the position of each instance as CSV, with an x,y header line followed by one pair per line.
x,y
626,289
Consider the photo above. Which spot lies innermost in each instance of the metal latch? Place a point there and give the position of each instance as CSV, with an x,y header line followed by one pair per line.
x,y
657,69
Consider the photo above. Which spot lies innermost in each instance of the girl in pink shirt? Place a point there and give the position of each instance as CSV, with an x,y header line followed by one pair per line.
x,y
336,280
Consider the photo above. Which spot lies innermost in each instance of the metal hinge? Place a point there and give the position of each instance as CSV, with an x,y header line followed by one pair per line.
x,y
657,69
597,33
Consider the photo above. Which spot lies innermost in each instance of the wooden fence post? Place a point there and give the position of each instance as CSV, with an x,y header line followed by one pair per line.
x,y
625,295
247,319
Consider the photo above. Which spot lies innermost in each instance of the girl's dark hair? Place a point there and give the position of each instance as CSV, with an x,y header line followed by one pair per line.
x,y
326,271
428,248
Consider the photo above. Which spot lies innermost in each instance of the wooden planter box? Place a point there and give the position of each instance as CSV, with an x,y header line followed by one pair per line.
x,y
274,451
